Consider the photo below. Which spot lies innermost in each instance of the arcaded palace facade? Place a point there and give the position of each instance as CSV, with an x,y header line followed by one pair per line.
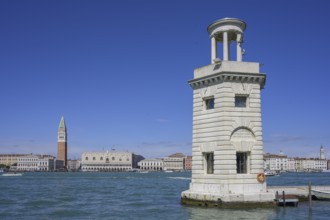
x,y
109,161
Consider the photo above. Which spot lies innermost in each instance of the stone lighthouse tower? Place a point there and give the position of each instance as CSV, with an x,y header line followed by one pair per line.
x,y
62,148
227,151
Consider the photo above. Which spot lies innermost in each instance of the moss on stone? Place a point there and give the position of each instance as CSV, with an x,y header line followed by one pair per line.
x,y
231,205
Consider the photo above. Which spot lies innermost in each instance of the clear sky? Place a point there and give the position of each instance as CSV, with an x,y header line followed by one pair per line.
x,y
118,71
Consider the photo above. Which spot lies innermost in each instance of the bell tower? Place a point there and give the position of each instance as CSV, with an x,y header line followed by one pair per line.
x,y
227,146
62,142
322,155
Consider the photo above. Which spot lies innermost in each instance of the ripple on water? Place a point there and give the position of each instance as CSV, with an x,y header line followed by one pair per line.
x,y
130,196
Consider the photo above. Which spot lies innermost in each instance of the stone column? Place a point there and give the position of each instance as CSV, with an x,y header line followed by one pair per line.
x,y
214,49
239,47
228,43
225,46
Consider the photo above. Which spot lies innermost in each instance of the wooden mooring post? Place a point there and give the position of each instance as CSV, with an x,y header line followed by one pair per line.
x,y
310,195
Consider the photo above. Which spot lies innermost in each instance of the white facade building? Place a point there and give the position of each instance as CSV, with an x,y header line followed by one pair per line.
x,y
276,162
74,165
35,163
280,162
109,161
174,162
291,164
310,164
151,164
320,164
227,151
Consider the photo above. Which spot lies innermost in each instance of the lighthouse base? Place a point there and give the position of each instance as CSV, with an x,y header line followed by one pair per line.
x,y
261,200
228,195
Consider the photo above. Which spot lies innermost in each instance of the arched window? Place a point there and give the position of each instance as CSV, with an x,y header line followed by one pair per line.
x,y
93,158
107,160
86,158
113,158
101,158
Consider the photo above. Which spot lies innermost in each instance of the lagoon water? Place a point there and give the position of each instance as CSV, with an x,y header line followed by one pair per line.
x,y
133,196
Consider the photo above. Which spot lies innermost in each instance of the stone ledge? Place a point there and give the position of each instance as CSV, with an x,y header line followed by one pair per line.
x,y
262,199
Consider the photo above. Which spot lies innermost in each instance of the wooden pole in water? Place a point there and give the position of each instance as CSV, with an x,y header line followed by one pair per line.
x,y
283,194
277,202
310,195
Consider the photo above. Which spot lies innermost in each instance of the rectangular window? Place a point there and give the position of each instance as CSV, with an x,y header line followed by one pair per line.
x,y
209,103
242,162
209,162
240,101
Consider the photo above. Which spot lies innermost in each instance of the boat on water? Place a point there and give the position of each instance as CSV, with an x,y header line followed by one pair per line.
x,y
143,171
12,174
271,173
321,194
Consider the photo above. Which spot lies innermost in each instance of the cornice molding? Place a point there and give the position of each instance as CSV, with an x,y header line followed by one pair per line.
x,y
228,77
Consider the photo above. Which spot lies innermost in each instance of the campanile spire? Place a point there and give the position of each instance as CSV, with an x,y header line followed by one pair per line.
x,y
62,125
62,142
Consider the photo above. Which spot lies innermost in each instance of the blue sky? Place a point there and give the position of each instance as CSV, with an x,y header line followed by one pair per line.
x,y
118,72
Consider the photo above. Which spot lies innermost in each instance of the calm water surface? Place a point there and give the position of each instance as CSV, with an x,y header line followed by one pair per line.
x,y
132,196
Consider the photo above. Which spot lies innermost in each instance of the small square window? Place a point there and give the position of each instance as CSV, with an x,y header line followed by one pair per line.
x,y
240,101
209,162
209,103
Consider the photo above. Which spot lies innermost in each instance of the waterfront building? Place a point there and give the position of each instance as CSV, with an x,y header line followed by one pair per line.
x,y
62,147
74,165
328,164
151,164
109,161
10,159
227,151
174,162
299,164
35,163
310,164
276,162
320,164
188,163
291,164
